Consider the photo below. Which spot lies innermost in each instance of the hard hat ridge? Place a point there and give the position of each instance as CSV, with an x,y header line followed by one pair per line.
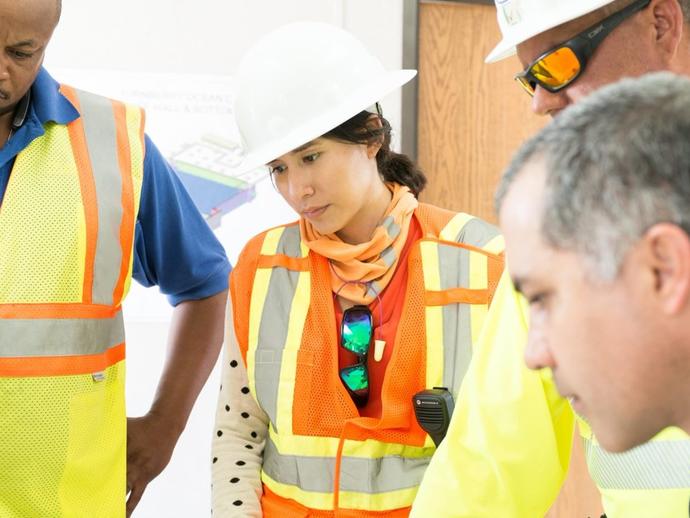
x,y
301,81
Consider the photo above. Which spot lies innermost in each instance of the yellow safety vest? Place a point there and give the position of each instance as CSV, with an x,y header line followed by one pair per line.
x,y
652,479
507,450
355,473
66,236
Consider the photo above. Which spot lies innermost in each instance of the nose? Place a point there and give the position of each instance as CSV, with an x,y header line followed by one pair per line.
x,y
548,103
300,183
4,68
537,353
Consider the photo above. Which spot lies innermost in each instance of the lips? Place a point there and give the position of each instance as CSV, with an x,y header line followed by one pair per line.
x,y
313,212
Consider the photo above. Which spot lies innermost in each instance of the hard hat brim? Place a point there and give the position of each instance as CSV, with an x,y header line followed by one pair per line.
x,y
506,47
322,123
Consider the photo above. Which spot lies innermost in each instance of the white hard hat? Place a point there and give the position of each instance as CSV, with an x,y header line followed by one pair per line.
x,y
520,20
301,81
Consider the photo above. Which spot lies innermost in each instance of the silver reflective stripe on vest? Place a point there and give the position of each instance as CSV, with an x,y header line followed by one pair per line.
x,y
477,232
101,141
653,465
274,325
454,268
289,243
360,475
60,336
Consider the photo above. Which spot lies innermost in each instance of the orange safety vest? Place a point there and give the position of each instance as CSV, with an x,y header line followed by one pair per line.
x,y
66,238
321,458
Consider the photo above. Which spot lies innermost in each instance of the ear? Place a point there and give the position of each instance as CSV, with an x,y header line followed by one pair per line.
x,y
669,26
668,248
374,123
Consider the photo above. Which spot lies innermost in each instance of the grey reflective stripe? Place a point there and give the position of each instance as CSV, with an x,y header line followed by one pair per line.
x,y
274,323
360,475
392,228
388,256
477,232
373,289
454,268
289,243
101,141
653,465
59,336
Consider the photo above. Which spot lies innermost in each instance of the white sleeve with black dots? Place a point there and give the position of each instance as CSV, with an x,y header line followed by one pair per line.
x,y
239,437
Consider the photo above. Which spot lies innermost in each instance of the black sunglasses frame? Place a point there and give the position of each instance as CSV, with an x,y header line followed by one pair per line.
x,y
359,397
583,46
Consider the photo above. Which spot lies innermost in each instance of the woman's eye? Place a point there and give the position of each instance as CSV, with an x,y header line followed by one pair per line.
x,y
311,157
276,169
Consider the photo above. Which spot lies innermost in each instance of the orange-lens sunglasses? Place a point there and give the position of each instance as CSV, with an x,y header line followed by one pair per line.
x,y
564,63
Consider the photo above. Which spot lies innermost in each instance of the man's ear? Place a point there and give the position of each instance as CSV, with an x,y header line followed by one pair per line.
x,y
668,255
374,123
669,25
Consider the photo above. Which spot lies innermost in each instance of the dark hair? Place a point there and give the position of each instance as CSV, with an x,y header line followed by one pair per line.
x,y
392,166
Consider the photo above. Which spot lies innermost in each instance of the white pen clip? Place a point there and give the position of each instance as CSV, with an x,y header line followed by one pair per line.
x,y
379,346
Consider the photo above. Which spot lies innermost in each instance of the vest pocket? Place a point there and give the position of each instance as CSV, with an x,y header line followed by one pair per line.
x,y
276,374
97,444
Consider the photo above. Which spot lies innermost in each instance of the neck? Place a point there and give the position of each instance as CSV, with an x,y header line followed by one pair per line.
x,y
683,398
362,226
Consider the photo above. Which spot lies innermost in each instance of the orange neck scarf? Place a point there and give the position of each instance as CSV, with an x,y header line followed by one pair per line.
x,y
361,272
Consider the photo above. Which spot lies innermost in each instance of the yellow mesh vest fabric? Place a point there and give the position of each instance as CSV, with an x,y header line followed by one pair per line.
x,y
134,117
62,438
47,465
37,263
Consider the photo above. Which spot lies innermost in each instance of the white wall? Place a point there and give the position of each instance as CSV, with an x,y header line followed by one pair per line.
x,y
199,37
209,36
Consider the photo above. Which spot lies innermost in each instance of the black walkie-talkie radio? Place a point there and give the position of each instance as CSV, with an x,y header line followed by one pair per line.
x,y
433,409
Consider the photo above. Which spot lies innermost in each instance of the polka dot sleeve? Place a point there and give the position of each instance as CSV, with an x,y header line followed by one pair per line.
x,y
239,437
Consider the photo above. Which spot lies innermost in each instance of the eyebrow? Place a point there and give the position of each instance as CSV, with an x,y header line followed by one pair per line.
x,y
23,43
297,150
303,147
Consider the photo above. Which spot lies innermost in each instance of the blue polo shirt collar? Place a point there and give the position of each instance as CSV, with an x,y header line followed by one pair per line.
x,y
47,105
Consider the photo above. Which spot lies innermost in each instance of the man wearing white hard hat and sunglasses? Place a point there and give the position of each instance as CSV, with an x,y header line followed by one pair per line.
x,y
523,433
570,48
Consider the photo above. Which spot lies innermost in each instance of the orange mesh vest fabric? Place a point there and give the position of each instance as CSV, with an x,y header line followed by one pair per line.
x,y
386,311
322,407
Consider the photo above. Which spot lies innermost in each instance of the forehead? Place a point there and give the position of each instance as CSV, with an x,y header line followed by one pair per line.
x,y
534,47
521,216
299,149
523,203
29,17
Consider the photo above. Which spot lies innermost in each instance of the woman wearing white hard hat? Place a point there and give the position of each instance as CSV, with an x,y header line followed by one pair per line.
x,y
341,317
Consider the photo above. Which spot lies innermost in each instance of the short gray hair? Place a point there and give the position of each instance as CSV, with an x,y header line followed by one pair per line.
x,y
617,163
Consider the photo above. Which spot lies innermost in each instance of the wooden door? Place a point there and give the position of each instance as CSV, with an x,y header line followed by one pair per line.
x,y
471,118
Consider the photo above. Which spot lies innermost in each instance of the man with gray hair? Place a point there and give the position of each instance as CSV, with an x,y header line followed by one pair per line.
x,y
604,193
510,426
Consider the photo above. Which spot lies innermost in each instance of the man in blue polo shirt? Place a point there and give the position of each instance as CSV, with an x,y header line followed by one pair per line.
x,y
86,199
